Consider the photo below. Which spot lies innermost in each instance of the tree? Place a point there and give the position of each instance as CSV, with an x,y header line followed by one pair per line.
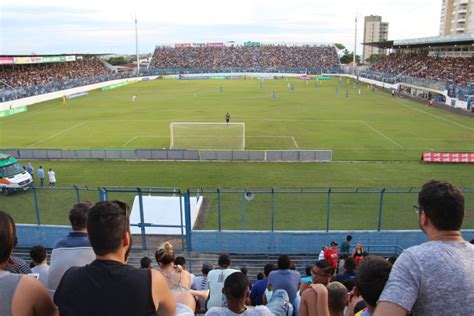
x,y
374,58
348,57
339,46
118,60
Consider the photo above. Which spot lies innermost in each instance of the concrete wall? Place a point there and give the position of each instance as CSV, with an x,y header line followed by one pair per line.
x,y
255,242
303,242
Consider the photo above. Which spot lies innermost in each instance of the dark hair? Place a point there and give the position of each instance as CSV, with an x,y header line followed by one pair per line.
x,y
349,237
244,270
145,262
372,274
443,204
107,223
325,266
38,254
284,262
350,264
165,254
308,270
260,276
392,259
7,236
180,260
269,267
78,215
236,284
206,267
224,260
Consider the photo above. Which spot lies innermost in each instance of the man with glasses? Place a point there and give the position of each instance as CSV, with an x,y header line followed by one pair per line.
x,y
108,286
436,277
322,273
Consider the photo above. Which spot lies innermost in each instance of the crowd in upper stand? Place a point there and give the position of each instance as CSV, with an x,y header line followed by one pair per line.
x,y
89,273
452,70
275,56
39,74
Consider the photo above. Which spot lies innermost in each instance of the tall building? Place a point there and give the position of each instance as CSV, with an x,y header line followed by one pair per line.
x,y
457,17
374,31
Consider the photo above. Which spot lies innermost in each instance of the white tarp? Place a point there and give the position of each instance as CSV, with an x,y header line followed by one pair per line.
x,y
162,210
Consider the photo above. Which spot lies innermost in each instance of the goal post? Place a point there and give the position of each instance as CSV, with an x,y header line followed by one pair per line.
x,y
207,135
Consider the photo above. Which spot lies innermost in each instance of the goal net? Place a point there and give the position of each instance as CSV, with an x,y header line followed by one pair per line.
x,y
202,135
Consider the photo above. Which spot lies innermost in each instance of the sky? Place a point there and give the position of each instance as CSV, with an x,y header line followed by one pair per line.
x,y
107,26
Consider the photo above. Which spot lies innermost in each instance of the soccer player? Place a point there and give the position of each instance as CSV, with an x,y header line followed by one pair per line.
x,y
337,91
134,98
274,95
227,118
221,90
347,93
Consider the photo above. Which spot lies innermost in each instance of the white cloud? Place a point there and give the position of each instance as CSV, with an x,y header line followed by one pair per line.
x,y
107,23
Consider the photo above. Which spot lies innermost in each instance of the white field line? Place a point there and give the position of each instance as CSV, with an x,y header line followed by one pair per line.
x,y
434,115
383,135
140,136
294,141
57,134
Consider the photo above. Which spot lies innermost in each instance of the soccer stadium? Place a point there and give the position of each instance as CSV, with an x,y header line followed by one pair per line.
x,y
308,168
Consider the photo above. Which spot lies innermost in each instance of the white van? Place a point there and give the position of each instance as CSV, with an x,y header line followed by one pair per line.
x,y
12,176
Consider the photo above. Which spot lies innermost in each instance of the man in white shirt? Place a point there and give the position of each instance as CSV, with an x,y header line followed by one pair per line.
x,y
215,280
236,290
51,177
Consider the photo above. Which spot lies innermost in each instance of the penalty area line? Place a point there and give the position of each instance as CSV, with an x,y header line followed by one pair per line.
x,y
57,134
383,135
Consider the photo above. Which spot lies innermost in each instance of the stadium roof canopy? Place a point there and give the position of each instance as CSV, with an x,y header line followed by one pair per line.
x,y
450,40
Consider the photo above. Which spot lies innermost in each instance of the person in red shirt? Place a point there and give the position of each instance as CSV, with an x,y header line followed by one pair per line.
x,y
332,255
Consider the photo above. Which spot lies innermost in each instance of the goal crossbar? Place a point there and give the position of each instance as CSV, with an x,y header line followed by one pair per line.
x,y
207,135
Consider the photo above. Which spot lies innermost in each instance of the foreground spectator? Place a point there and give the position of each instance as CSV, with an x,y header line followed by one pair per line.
x,y
236,289
436,277
146,263
200,283
258,289
322,273
72,251
108,286
284,278
16,264
20,294
372,275
39,256
178,279
215,280
349,273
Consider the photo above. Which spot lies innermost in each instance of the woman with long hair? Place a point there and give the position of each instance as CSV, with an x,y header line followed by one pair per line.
x,y
179,281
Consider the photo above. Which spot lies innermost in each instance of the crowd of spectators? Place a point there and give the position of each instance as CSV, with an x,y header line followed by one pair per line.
x,y
106,284
274,56
450,70
18,76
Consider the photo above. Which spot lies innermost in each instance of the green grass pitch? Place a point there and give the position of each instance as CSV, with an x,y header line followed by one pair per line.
x,y
376,138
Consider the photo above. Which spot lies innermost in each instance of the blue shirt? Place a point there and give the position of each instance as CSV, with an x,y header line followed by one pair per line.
x,y
41,173
257,291
73,240
346,276
287,280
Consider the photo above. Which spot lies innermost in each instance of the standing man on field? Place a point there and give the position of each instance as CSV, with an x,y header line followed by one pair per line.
x,y
41,175
436,277
227,118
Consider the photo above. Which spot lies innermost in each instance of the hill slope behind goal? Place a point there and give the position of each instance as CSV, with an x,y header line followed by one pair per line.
x,y
207,135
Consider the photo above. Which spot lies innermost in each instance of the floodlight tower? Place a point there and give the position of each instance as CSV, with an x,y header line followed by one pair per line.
x,y
355,47
136,45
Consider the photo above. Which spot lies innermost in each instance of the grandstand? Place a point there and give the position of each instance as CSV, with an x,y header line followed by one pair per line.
x,y
442,66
